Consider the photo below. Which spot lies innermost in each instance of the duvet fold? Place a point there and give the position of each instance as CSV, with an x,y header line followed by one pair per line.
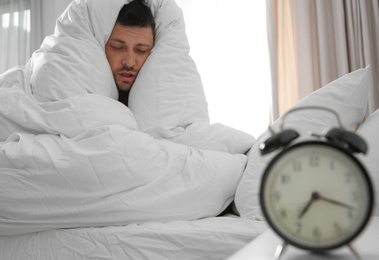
x,y
83,162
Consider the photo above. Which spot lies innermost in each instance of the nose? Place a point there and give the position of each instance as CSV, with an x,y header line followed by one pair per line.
x,y
129,60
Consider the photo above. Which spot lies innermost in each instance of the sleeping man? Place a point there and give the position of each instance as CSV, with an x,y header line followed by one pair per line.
x,y
72,156
129,45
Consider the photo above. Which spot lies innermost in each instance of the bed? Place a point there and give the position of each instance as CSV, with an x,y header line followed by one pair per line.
x,y
210,238
85,177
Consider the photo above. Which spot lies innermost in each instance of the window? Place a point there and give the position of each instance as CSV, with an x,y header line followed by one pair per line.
x,y
15,33
228,42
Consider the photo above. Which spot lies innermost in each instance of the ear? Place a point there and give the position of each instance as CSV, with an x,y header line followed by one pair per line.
x,y
349,140
281,139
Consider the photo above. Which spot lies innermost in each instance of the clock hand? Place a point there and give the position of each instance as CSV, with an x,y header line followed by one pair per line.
x,y
336,202
305,209
315,196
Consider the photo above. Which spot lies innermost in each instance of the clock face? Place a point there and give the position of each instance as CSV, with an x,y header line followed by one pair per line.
x,y
316,196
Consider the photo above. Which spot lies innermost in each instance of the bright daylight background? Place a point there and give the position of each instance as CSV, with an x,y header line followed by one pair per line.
x,y
13,20
228,42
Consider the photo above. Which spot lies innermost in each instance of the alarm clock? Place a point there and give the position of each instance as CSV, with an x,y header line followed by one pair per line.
x,y
315,194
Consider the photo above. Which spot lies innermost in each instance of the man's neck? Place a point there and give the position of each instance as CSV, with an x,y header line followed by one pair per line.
x,y
123,97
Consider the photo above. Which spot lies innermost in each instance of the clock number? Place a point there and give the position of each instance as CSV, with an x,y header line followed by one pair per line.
x,y
285,178
354,196
314,161
283,213
332,165
317,233
299,227
337,228
348,177
276,196
296,166
350,214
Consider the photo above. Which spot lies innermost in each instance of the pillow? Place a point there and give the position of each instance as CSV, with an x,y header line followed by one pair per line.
x,y
369,130
347,95
215,137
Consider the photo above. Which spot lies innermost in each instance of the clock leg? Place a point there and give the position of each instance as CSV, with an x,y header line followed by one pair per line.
x,y
354,251
280,250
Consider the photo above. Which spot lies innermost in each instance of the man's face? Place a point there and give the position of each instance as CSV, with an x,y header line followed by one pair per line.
x,y
127,50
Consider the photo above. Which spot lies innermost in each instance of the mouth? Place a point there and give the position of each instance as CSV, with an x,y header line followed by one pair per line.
x,y
127,76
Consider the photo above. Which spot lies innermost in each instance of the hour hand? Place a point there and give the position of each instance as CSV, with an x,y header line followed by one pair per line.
x,y
314,197
305,209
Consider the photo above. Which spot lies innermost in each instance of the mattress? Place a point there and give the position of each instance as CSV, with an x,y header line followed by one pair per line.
x,y
209,238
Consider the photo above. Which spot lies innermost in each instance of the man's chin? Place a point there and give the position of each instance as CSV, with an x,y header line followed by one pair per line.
x,y
124,87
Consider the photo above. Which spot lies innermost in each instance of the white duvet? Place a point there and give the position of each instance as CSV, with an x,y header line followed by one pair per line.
x,y
71,155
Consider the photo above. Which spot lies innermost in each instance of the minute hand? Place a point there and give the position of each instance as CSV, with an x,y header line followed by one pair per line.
x,y
336,202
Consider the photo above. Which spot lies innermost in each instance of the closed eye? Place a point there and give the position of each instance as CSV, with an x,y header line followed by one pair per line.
x,y
116,44
117,47
141,51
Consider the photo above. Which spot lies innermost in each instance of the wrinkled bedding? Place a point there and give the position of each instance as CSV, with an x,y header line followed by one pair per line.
x,y
72,156
212,238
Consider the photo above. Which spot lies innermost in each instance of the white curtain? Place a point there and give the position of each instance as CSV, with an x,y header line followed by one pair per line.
x,y
228,42
23,26
15,33
315,42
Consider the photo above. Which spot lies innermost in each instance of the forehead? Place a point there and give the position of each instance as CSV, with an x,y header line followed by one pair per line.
x,y
132,34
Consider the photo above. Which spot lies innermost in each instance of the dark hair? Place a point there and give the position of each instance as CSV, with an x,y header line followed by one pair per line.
x,y
138,14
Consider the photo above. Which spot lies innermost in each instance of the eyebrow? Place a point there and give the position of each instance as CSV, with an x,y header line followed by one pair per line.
x,y
123,42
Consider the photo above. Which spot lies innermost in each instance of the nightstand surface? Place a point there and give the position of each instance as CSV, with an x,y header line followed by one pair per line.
x,y
264,247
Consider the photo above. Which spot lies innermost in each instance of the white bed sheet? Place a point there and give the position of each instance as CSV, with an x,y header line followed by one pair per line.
x,y
210,238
